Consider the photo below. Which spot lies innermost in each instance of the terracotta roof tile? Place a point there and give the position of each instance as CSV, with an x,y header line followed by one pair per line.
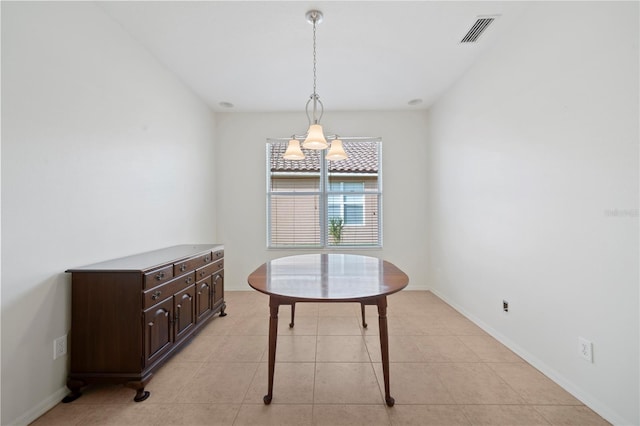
x,y
363,158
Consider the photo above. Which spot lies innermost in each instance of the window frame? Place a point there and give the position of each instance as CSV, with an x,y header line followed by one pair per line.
x,y
323,194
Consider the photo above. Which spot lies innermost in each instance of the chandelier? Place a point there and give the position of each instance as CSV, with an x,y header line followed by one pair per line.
x,y
314,138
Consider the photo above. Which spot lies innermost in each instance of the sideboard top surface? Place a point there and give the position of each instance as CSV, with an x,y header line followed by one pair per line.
x,y
149,260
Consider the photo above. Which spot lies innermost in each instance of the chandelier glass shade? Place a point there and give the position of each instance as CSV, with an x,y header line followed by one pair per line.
x,y
293,151
336,152
314,138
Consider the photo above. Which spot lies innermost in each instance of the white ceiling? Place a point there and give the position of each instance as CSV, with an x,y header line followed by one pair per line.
x,y
258,55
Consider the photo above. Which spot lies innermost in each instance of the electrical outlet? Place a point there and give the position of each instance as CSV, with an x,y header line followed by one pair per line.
x,y
585,349
505,306
59,347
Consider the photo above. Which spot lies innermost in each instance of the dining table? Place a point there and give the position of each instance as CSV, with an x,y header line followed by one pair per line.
x,y
328,278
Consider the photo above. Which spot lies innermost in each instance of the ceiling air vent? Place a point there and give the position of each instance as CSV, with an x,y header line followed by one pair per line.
x,y
477,29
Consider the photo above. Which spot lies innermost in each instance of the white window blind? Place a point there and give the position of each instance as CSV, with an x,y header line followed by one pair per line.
x,y
316,203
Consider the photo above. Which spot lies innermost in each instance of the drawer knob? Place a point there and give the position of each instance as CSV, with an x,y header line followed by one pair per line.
x,y
188,281
156,295
160,276
206,259
183,267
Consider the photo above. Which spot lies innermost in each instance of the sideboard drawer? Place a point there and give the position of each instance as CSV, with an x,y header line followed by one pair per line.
x,y
158,294
210,269
157,277
193,263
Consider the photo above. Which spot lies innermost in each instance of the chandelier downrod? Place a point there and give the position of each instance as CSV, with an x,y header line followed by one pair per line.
x,y
314,17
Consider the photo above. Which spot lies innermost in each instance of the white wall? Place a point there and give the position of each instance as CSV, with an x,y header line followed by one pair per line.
x,y
533,186
241,202
104,154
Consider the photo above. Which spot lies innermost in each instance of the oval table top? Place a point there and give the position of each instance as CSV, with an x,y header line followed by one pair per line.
x,y
328,277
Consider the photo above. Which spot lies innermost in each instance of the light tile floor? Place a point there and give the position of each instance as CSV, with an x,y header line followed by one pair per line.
x,y
444,371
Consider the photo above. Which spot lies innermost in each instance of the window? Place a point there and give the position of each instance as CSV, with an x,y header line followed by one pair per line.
x,y
346,202
315,203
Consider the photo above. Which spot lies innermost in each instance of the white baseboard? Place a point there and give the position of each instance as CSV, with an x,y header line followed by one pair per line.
x,y
417,287
243,287
44,406
585,397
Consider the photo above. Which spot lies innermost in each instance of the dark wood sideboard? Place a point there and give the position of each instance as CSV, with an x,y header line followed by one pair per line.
x,y
129,315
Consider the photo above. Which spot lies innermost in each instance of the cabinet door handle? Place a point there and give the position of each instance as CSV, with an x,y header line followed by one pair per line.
x,y
156,295
160,276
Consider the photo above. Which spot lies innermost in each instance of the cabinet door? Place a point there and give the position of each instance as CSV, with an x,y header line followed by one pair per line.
x,y
185,308
218,287
158,336
203,299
